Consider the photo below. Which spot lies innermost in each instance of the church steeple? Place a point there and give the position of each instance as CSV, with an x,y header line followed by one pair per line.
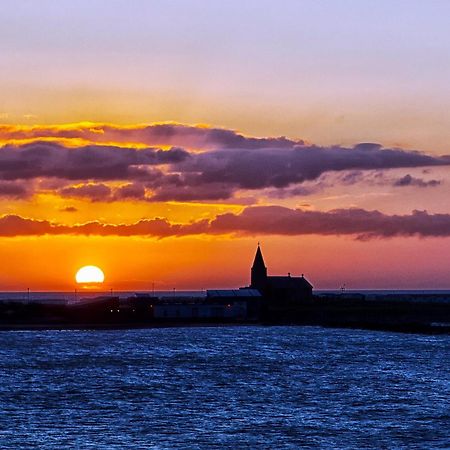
x,y
258,262
259,271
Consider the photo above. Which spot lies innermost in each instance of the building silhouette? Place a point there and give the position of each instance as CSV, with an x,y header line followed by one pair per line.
x,y
280,290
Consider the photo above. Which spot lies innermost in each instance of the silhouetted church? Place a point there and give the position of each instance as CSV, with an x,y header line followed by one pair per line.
x,y
279,289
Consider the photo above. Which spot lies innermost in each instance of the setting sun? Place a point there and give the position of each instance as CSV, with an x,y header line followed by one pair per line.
x,y
90,274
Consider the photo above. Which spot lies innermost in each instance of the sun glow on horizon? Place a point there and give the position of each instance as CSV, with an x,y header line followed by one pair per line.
x,y
90,275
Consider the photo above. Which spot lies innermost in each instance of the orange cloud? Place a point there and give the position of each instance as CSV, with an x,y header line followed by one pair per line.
x,y
155,134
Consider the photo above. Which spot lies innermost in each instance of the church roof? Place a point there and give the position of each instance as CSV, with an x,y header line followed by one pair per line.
x,y
286,282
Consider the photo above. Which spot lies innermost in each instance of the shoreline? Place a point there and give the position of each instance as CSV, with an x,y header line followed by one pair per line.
x,y
394,328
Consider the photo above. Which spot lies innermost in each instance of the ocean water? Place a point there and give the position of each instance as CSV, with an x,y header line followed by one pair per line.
x,y
224,387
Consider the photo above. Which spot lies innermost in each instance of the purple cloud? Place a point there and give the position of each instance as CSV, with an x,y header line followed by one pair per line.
x,y
357,222
93,192
222,172
134,191
254,221
47,159
215,174
408,180
279,168
18,190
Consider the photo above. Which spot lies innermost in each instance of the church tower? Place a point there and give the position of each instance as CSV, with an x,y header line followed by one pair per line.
x,y
259,272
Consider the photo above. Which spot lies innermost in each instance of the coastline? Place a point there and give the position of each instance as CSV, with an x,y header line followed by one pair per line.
x,y
393,328
408,313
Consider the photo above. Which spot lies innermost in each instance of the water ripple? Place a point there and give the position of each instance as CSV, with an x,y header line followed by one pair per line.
x,y
219,387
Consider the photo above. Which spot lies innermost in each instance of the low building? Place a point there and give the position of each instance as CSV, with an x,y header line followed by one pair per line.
x,y
246,300
228,305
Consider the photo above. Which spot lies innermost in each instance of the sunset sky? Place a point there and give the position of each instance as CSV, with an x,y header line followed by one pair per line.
x,y
161,140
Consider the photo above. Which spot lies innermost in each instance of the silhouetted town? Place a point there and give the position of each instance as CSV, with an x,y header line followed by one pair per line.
x,y
267,300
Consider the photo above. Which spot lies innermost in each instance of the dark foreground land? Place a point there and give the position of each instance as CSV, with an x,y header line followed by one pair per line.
x,y
412,313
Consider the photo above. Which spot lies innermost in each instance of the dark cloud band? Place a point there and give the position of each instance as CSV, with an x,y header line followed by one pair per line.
x,y
226,163
253,221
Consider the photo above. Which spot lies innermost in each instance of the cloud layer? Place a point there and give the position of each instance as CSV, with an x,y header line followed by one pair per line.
x,y
253,221
228,162
160,134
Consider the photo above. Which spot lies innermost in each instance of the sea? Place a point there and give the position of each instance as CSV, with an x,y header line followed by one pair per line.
x,y
227,387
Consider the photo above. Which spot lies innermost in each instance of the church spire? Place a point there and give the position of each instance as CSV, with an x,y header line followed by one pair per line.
x,y
258,262
259,271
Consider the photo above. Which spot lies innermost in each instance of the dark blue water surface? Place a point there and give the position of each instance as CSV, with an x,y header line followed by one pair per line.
x,y
224,387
